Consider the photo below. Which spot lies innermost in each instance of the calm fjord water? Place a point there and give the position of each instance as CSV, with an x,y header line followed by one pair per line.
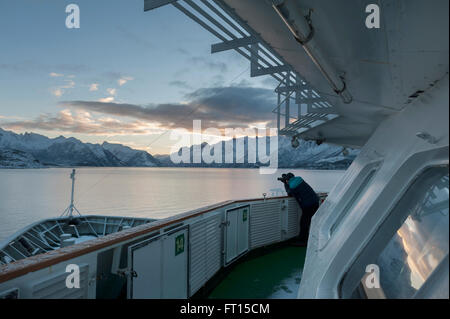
x,y
29,195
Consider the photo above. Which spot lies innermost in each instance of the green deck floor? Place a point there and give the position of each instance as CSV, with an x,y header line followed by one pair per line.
x,y
274,275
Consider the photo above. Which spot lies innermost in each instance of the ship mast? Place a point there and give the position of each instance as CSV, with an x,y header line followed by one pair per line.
x,y
69,210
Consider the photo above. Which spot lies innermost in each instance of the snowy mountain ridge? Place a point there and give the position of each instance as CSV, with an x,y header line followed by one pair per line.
x,y
34,150
30,150
307,155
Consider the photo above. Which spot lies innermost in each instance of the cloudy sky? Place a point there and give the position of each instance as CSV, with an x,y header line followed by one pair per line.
x,y
125,76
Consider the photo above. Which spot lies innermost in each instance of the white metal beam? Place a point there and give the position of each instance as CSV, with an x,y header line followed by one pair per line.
x,y
290,88
233,44
269,70
287,103
153,4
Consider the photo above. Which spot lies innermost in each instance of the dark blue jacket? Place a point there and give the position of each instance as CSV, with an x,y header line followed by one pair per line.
x,y
304,193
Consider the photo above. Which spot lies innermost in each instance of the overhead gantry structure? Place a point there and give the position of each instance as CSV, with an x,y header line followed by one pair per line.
x,y
215,16
338,78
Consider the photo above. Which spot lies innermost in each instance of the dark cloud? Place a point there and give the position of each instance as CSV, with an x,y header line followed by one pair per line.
x,y
216,107
65,121
221,107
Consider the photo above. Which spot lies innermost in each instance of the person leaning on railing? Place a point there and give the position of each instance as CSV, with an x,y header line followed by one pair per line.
x,y
307,199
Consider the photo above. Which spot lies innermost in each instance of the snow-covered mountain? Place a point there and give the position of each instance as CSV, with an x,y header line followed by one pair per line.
x,y
10,158
307,155
31,150
131,156
310,155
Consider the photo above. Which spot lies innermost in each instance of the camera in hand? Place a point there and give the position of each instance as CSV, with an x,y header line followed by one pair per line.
x,y
285,177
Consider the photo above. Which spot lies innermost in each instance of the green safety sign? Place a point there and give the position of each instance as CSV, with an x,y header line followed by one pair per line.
x,y
179,244
244,215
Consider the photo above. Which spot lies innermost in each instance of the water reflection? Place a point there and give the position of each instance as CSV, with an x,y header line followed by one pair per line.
x,y
419,245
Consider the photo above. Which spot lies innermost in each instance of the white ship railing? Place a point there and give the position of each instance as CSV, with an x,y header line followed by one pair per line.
x,y
205,251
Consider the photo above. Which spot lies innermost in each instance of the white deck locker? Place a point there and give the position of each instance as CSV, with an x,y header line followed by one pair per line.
x,y
236,232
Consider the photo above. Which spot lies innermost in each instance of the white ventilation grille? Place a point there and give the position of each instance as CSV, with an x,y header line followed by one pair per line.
x,y
205,251
55,287
294,214
265,223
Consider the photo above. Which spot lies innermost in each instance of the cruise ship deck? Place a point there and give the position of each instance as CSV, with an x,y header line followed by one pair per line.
x,y
255,277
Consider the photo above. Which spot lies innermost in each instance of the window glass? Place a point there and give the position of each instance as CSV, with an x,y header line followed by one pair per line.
x,y
421,242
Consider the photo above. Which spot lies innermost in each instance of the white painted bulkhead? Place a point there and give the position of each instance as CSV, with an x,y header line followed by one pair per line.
x,y
355,209
50,282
